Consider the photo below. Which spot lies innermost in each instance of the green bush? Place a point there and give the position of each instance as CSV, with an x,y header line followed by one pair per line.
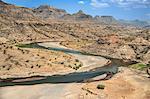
x,y
100,86
139,66
31,45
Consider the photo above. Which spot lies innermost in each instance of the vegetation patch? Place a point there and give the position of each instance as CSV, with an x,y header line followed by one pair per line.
x,y
139,66
74,64
86,89
100,86
31,45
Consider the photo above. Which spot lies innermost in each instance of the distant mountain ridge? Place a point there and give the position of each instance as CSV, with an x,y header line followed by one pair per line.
x,y
105,19
47,12
79,16
135,22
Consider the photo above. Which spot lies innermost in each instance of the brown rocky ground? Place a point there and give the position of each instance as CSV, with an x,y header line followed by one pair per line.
x,y
125,85
24,62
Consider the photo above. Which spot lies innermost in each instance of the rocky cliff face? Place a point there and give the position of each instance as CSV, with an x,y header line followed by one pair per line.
x,y
79,16
46,11
3,3
106,19
15,11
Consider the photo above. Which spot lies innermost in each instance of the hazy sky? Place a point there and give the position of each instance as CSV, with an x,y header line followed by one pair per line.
x,y
120,9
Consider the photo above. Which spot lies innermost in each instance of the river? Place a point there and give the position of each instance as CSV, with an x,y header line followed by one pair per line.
x,y
79,76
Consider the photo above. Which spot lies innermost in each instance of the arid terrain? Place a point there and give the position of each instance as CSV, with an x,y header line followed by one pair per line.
x,y
53,29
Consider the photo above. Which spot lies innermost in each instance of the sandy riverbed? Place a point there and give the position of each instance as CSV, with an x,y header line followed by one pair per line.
x,y
124,85
89,62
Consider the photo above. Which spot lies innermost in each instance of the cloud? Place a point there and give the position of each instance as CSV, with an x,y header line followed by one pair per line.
x,y
81,2
132,3
121,3
98,4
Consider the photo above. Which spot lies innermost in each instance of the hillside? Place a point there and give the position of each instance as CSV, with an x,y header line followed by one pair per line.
x,y
48,53
22,24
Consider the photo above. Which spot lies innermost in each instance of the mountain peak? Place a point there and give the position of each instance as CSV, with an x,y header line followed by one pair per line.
x,y
46,11
80,12
47,7
44,7
2,3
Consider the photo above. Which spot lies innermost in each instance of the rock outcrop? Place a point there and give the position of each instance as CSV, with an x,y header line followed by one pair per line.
x,y
106,19
46,11
79,16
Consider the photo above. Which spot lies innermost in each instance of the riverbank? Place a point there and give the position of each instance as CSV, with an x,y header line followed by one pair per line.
x,y
125,84
88,62
82,74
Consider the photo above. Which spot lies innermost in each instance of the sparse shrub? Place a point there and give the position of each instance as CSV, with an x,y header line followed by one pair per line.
x,y
9,57
32,66
42,57
19,49
76,60
80,65
49,64
3,66
22,51
27,61
138,66
11,47
69,66
4,52
62,63
16,63
74,68
8,68
100,86
38,65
